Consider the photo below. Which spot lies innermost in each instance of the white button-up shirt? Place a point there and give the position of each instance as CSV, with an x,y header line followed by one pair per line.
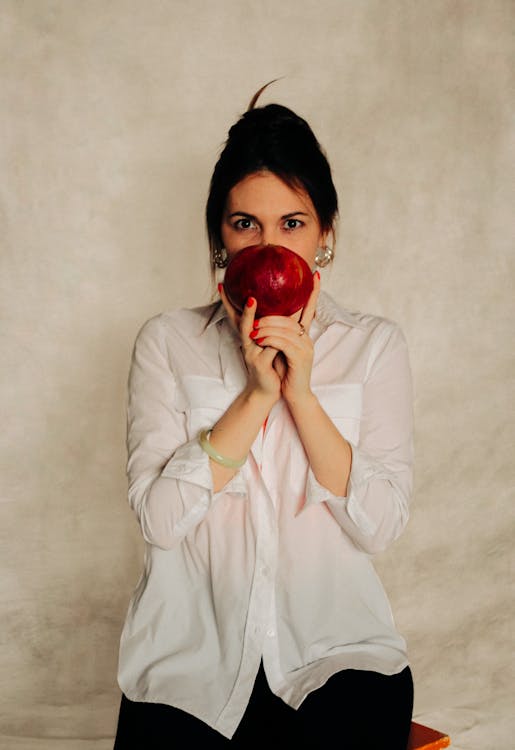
x,y
273,566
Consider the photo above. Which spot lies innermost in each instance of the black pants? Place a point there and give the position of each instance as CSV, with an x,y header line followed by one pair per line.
x,y
354,710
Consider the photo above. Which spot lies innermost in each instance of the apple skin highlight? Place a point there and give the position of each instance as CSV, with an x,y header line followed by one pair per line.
x,y
279,279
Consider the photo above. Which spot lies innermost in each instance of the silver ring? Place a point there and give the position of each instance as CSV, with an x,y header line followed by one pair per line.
x,y
302,329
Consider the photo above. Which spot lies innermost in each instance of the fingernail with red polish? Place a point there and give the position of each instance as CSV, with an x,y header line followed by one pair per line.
x,y
250,301
220,285
253,334
317,274
259,341
255,324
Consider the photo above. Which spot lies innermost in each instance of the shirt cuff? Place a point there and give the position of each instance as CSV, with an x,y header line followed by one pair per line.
x,y
190,463
363,470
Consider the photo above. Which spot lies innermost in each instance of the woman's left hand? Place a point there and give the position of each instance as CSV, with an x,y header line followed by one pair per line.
x,y
290,336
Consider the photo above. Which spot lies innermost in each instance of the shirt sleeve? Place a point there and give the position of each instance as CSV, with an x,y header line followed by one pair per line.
x,y
375,510
169,476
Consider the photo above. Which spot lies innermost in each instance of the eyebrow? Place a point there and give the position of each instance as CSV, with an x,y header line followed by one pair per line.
x,y
251,216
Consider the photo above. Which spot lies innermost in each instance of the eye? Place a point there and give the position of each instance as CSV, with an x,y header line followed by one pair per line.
x,y
293,224
244,224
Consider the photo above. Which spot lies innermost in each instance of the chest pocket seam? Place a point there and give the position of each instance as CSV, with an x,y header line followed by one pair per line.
x,y
203,400
343,403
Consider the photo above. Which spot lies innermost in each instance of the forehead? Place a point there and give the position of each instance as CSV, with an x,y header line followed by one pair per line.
x,y
266,191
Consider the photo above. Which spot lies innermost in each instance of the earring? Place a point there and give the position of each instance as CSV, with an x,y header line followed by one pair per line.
x,y
324,256
220,257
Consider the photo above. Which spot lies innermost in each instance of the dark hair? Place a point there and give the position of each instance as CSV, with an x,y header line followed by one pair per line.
x,y
271,138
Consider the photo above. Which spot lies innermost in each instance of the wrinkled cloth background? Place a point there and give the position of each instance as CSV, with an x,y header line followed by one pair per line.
x,y
113,116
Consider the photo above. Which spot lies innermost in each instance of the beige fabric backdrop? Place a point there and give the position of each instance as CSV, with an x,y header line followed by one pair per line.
x,y
113,115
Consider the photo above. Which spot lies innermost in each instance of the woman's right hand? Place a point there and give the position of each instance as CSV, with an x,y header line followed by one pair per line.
x,y
263,379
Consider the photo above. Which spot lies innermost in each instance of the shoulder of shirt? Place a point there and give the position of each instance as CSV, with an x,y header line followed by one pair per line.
x,y
329,311
381,335
192,321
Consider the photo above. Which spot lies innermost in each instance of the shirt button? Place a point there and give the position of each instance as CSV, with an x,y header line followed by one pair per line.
x,y
270,632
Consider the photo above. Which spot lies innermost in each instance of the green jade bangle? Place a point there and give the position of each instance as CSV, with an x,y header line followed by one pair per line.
x,y
230,463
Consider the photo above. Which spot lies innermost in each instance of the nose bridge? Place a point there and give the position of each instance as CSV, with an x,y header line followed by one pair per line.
x,y
270,234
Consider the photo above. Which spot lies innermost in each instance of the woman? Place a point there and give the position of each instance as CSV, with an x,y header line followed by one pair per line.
x,y
259,616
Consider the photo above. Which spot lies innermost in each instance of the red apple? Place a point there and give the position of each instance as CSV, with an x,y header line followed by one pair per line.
x,y
279,279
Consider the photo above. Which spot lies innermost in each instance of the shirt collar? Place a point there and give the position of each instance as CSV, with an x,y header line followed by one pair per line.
x,y
327,312
218,313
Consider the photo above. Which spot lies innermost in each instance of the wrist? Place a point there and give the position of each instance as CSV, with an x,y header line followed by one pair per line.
x,y
301,402
259,400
